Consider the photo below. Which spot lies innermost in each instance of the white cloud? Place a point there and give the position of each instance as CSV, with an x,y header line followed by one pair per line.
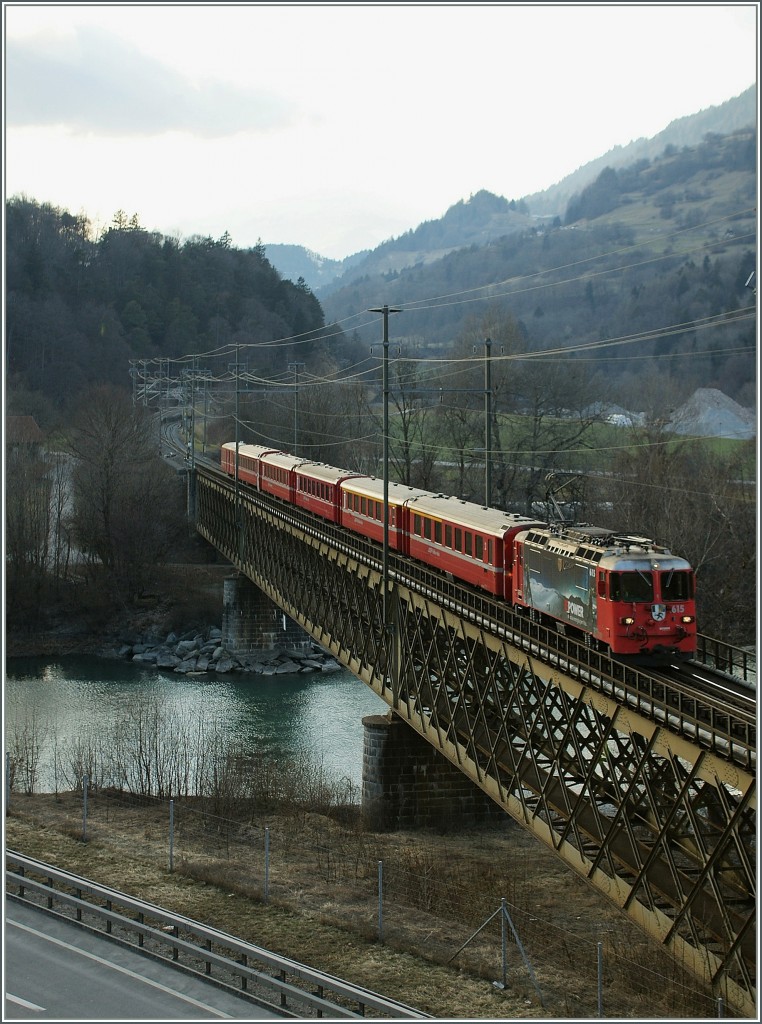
x,y
337,126
101,84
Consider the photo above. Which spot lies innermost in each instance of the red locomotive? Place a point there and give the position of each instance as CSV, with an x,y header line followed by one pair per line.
x,y
626,594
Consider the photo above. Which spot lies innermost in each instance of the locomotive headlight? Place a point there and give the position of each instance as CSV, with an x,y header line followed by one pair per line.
x,y
687,619
627,620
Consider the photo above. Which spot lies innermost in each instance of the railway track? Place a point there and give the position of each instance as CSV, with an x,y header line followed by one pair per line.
x,y
695,697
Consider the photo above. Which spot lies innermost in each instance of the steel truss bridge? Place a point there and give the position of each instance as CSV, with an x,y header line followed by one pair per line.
x,y
643,786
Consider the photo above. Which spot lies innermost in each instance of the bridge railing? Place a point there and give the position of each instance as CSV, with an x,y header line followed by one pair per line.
x,y
735,661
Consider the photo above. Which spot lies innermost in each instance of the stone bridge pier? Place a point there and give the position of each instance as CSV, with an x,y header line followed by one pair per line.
x,y
252,622
407,783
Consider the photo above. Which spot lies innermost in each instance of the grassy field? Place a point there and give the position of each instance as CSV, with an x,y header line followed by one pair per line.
x,y
321,906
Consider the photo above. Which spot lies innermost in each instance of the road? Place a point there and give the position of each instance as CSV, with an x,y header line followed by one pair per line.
x,y
55,970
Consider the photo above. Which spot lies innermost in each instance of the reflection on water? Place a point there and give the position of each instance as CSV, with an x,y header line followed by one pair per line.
x,y
279,716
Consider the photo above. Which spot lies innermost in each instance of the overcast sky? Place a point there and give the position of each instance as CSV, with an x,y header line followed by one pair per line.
x,y
339,126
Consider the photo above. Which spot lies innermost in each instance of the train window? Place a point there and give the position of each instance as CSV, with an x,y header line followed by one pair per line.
x,y
427,528
676,586
448,536
364,506
458,539
631,586
490,551
417,526
601,584
469,542
479,550
438,532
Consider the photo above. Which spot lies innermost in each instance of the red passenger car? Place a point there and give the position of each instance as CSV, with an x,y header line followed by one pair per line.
x,y
473,543
362,509
249,456
318,488
276,475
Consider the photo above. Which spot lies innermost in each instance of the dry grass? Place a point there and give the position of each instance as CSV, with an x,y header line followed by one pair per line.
x,y
322,904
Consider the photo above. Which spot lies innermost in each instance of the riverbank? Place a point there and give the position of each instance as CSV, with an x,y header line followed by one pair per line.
x,y
84,618
176,628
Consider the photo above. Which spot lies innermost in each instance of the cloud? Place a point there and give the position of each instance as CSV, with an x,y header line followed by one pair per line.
x,y
96,83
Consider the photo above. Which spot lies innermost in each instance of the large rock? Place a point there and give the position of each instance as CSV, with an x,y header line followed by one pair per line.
x,y
185,647
165,659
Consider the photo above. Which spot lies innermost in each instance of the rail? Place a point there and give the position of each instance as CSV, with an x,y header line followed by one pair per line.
x,y
286,986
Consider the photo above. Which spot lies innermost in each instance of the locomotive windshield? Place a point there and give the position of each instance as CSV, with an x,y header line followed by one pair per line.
x,y
676,586
632,586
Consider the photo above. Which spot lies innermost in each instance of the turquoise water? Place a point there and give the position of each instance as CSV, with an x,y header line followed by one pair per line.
x,y
57,701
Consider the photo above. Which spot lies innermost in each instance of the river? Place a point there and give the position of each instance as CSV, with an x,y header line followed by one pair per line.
x,y
53,703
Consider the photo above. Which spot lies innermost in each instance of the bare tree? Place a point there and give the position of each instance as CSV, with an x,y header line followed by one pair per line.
x,y
411,410
701,506
27,527
554,418
126,508
541,407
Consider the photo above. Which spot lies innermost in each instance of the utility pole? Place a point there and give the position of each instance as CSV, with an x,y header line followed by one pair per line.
x,y
385,311
193,375
237,444
487,422
296,367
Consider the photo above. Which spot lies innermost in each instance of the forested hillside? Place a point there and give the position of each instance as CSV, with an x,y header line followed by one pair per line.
x,y
79,308
661,250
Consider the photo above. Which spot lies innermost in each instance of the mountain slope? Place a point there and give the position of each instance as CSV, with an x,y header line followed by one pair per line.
x,y
484,216
660,250
737,113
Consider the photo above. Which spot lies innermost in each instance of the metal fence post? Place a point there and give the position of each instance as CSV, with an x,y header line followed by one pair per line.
x,y
380,901
7,783
504,937
600,979
84,808
171,835
720,1007
267,864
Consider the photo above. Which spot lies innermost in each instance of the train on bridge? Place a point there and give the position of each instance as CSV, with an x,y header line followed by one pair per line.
x,y
621,593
